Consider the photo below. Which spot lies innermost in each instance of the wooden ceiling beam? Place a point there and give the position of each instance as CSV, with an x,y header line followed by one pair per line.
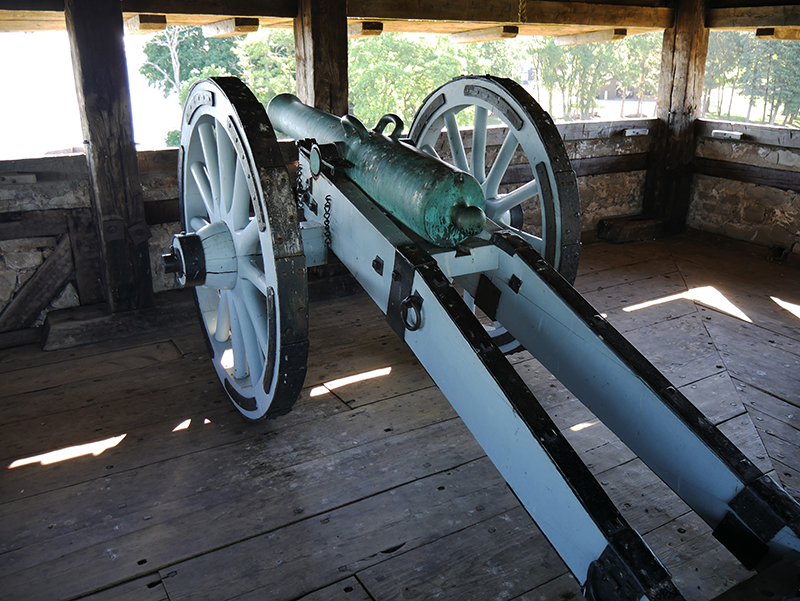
x,y
145,24
778,33
512,11
501,32
231,27
591,37
426,12
226,8
364,29
751,17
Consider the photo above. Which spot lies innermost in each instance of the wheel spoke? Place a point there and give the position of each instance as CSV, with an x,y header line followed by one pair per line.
x,y
500,165
255,304
246,240
237,343
208,142
227,168
197,223
478,158
201,179
250,272
506,202
456,143
240,200
430,150
249,323
535,241
222,332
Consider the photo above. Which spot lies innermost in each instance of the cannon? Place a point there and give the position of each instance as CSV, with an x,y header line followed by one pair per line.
x,y
410,226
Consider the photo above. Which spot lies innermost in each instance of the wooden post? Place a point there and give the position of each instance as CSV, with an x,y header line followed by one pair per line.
x,y
680,94
101,78
320,38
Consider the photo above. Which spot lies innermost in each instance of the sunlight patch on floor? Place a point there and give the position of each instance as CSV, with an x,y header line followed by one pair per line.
x,y
367,375
707,295
92,448
183,425
790,307
584,425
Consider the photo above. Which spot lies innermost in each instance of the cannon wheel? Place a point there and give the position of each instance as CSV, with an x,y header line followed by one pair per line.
x,y
251,288
546,171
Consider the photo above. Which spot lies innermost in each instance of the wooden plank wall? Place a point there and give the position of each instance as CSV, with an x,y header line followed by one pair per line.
x,y
50,206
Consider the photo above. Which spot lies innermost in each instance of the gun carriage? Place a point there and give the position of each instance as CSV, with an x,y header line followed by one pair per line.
x,y
411,227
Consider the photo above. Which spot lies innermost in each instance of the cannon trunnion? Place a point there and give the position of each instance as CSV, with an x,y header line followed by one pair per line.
x,y
409,226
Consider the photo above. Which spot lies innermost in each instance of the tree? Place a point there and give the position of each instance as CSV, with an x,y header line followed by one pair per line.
x,y
786,81
501,58
551,60
179,52
724,67
395,72
267,63
636,68
179,56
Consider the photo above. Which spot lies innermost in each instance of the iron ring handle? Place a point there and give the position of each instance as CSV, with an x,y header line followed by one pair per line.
x,y
409,303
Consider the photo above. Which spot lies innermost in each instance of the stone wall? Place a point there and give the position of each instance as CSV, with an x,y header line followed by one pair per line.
x,y
736,203
609,194
37,198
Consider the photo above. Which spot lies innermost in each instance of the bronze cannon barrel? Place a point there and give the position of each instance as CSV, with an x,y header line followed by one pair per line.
x,y
442,204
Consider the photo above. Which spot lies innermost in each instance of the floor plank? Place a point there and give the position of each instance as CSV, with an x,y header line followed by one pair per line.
x,y
113,362
370,489
348,540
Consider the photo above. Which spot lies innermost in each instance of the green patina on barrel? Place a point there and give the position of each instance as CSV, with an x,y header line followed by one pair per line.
x,y
437,201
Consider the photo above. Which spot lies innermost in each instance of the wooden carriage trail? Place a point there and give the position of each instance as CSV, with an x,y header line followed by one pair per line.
x,y
370,489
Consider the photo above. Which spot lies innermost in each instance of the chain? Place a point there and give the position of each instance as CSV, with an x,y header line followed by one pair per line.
x,y
299,189
522,17
326,214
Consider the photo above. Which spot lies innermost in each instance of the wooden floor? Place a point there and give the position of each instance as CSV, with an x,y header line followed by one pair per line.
x,y
375,489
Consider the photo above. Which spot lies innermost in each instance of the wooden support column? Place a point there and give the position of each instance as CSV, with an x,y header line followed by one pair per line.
x,y
101,78
680,93
320,38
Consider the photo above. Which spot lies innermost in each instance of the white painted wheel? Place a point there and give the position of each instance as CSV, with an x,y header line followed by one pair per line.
x,y
545,175
237,205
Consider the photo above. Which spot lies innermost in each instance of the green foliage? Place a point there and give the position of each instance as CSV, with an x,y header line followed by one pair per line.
x,y
267,63
501,58
204,73
637,67
173,138
763,71
394,73
578,71
179,53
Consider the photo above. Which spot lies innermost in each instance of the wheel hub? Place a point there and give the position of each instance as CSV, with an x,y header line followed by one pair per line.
x,y
205,258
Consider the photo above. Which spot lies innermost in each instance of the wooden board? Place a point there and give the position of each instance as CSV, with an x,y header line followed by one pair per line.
x,y
33,378
48,280
341,500
320,34
680,89
32,224
466,564
96,44
301,495
781,179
